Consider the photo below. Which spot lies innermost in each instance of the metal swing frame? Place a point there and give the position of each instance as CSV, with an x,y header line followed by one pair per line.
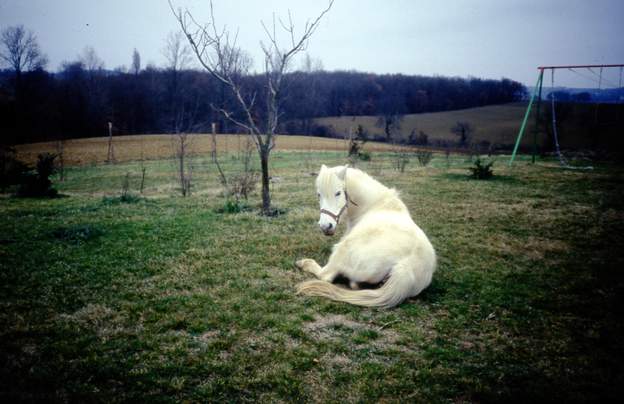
x,y
538,91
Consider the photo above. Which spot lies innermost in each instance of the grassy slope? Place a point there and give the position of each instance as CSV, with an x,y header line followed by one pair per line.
x,y
498,124
167,300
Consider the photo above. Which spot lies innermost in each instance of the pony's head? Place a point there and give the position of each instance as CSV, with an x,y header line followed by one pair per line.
x,y
331,191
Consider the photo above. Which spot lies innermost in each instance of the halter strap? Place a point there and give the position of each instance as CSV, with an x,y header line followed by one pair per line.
x,y
336,217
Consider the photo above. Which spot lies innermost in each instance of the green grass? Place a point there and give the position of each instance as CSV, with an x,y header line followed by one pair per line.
x,y
165,299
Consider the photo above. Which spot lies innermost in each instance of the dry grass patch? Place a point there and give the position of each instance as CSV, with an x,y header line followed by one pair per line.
x,y
87,151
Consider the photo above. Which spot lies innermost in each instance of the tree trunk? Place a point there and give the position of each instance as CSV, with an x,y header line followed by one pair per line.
x,y
266,196
181,159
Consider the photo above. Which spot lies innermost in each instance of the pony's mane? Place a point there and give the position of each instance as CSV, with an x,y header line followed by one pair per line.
x,y
364,189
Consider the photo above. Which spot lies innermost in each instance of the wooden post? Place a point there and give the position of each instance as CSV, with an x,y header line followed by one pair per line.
x,y
110,156
213,152
60,148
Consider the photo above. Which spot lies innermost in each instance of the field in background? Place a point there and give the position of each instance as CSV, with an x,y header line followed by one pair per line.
x,y
167,299
581,126
497,124
79,152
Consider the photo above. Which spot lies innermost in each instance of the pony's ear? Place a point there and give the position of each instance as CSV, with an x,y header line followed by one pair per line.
x,y
323,167
342,173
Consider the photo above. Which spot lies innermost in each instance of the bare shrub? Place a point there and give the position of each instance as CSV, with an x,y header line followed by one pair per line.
x,y
356,145
181,145
243,184
424,157
464,131
400,158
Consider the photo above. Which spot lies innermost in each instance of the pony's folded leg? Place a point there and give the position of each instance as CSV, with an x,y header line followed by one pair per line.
x,y
309,265
327,273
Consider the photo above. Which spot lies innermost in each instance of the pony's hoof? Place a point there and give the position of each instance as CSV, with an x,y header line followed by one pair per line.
x,y
300,263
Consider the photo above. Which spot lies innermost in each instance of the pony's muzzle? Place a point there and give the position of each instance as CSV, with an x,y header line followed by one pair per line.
x,y
328,228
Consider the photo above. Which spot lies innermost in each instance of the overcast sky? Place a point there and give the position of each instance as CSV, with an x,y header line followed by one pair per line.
x,y
480,38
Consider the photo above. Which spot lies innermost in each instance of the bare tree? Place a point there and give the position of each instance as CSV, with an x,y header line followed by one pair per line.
x,y
94,66
217,51
181,107
182,144
180,104
136,62
176,52
464,130
215,157
91,61
391,124
20,50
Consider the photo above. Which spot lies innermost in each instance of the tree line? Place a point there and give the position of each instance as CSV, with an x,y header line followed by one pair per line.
x,y
82,97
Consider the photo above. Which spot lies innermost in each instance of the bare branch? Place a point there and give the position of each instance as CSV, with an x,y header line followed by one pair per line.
x,y
218,52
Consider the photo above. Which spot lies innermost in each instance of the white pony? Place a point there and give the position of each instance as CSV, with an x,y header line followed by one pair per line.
x,y
382,244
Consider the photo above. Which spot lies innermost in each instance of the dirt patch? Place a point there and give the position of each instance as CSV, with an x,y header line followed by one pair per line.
x,y
337,327
323,324
102,320
536,248
87,151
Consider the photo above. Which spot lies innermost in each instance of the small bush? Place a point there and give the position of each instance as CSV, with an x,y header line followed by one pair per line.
x,y
420,139
38,184
357,141
481,171
126,195
78,233
401,160
233,206
364,156
11,169
424,157
323,131
127,198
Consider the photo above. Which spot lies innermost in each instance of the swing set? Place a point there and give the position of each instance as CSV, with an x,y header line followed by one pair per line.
x,y
536,98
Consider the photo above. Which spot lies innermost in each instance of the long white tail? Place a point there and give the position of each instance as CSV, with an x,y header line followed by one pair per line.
x,y
401,284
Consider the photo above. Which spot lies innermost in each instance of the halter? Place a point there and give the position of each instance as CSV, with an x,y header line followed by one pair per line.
x,y
337,217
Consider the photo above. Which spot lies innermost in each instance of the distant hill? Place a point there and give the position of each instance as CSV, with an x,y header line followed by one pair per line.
x,y
587,95
497,124
580,126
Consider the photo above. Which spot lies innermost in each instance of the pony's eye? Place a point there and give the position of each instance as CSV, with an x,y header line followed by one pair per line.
x,y
318,195
338,193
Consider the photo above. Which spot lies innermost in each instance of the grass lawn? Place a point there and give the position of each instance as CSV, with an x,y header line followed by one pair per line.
x,y
165,299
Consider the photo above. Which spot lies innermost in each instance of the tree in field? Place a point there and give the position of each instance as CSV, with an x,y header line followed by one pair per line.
x,y
136,62
180,109
258,111
391,124
20,50
464,130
